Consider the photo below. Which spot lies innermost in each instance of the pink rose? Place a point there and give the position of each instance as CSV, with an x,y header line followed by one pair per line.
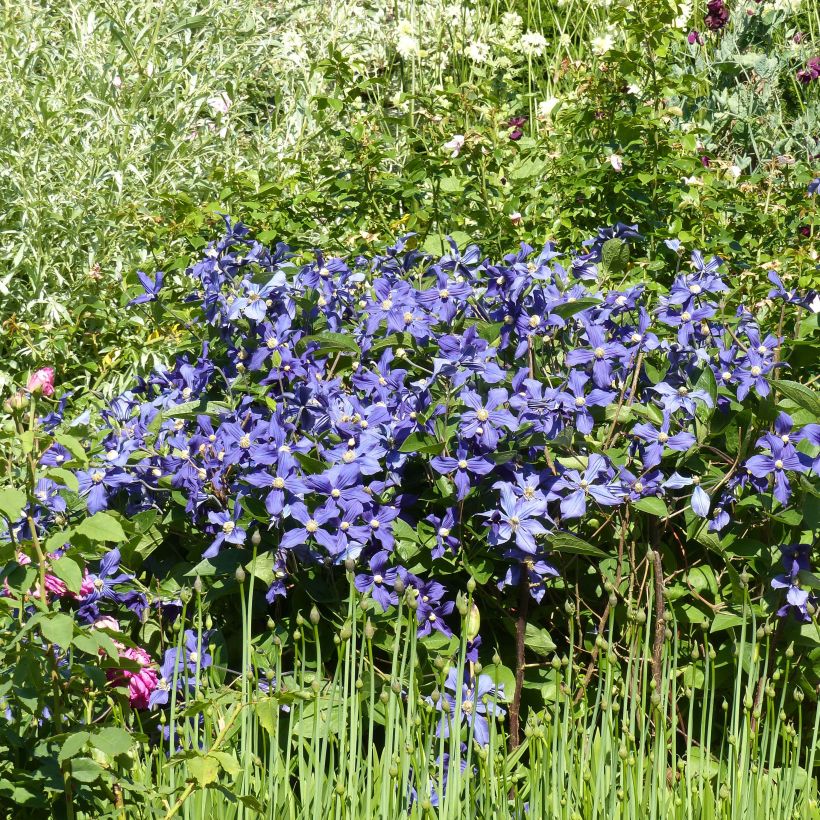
x,y
41,381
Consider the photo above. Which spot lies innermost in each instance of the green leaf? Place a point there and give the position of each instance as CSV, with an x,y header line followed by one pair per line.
x,y
85,770
652,505
451,185
421,443
112,741
72,744
203,769
502,676
725,620
228,762
571,308
267,713
69,572
102,526
58,627
331,343
63,476
12,502
566,542
73,446
800,394
538,640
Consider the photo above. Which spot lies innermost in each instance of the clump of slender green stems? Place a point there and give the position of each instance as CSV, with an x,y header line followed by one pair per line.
x,y
316,728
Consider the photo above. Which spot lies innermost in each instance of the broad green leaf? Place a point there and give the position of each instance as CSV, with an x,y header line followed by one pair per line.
x,y
12,502
63,476
331,343
228,762
538,640
725,620
102,526
203,769
112,741
58,628
566,542
73,446
800,394
72,744
652,505
69,572
571,308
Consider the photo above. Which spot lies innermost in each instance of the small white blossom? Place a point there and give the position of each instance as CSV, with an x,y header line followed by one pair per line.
x,y
408,47
603,44
546,107
733,171
616,161
478,52
511,22
220,103
454,145
533,44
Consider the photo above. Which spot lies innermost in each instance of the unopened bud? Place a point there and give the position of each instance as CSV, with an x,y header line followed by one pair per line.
x,y
314,616
240,575
473,622
256,538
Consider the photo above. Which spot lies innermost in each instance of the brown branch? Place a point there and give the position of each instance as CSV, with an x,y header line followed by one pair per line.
x,y
660,622
520,634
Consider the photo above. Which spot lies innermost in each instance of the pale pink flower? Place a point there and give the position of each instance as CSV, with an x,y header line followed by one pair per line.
x,y
41,381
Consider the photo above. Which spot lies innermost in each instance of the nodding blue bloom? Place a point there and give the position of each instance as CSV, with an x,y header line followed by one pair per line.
x,y
465,467
484,418
576,402
106,585
814,186
431,610
781,459
224,524
795,558
519,520
600,353
99,484
151,287
537,568
446,299
443,528
597,482
658,440
479,699
379,582
681,398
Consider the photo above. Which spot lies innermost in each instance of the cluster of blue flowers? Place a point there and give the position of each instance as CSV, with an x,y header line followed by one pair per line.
x,y
486,405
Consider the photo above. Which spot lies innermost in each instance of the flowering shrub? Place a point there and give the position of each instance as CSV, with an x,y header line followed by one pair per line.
x,y
429,426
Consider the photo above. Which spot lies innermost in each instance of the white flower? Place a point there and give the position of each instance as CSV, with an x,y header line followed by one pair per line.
x,y
405,29
511,22
533,44
814,306
220,103
692,181
634,89
117,81
682,20
454,145
603,44
733,171
516,218
616,161
546,107
408,47
478,52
